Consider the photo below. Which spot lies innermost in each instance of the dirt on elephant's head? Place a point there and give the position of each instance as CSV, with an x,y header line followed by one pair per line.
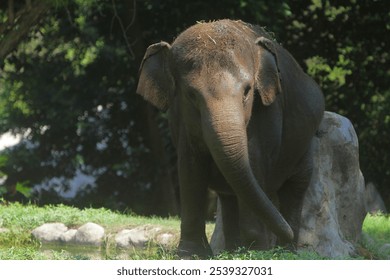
x,y
207,43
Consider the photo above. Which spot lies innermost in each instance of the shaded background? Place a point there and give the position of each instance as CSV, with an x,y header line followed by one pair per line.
x,y
68,74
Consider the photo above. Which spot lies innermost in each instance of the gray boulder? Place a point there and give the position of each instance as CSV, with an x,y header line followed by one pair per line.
x,y
89,234
137,237
374,201
68,236
50,232
334,204
131,238
165,239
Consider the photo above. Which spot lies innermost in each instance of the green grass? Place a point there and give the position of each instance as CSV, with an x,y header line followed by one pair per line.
x,y
376,233
19,220
28,217
274,254
378,227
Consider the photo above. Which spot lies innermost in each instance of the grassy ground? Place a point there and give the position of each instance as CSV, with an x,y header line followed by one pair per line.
x,y
16,242
376,233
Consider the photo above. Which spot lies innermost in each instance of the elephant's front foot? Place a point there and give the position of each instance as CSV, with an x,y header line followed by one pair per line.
x,y
193,250
290,246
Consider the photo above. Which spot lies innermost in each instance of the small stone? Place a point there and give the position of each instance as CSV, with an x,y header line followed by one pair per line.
x,y
89,234
69,236
165,239
385,249
129,238
4,230
50,232
137,237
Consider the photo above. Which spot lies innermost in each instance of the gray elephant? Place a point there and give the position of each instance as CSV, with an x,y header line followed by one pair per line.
x,y
242,115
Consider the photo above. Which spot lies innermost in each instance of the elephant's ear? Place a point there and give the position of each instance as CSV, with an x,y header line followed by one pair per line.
x,y
268,79
156,82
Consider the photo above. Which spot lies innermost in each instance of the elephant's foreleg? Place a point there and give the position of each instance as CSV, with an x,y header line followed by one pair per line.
x,y
193,179
230,221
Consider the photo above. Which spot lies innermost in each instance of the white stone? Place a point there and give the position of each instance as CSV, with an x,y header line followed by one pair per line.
x,y
165,239
50,232
68,236
129,238
137,237
89,234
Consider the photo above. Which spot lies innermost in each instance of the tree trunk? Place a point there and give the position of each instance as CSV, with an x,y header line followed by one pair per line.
x,y
19,25
165,200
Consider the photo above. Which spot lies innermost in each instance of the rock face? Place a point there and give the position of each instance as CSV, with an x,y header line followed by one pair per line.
x,y
334,204
51,232
89,234
374,201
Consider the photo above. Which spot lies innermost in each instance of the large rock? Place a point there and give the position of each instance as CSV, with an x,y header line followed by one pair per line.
x,y
334,205
68,236
374,201
89,234
51,232
137,237
131,238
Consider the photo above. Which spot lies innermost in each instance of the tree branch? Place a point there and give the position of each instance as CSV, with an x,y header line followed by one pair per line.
x,y
21,26
11,11
123,28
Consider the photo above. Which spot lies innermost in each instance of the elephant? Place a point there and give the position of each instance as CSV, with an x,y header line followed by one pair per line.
x,y
242,115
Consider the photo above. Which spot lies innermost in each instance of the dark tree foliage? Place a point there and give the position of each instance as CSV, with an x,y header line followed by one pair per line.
x,y
70,88
346,48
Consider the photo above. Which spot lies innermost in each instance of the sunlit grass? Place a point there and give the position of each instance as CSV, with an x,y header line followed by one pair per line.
x,y
19,220
378,227
376,234
28,217
273,254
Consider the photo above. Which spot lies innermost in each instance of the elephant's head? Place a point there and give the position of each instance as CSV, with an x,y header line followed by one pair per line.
x,y
214,71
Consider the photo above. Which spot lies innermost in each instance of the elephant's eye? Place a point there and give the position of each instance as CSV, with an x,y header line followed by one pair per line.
x,y
246,95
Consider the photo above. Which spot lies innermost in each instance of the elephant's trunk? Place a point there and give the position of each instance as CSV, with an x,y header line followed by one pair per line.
x,y
226,137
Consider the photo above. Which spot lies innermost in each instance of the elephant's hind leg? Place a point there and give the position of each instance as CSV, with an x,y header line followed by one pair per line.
x,y
291,197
